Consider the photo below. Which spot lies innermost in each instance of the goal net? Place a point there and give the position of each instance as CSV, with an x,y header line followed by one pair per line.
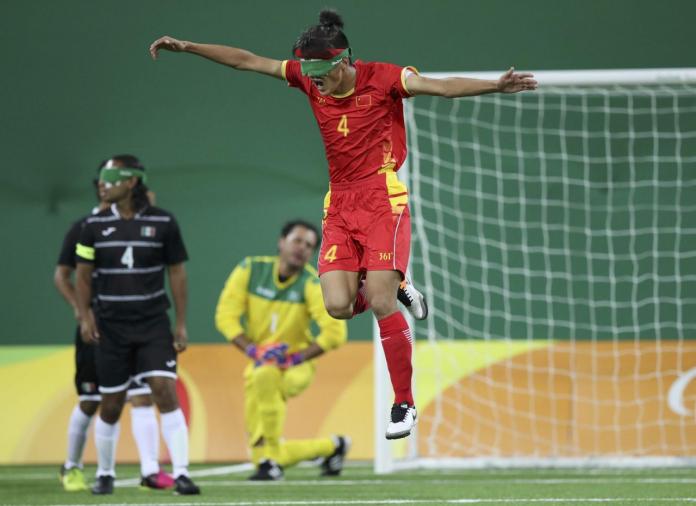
x,y
554,236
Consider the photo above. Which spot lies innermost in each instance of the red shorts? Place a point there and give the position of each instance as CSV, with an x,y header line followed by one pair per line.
x,y
366,226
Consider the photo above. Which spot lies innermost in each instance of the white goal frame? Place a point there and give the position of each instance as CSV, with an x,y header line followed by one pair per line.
x,y
384,461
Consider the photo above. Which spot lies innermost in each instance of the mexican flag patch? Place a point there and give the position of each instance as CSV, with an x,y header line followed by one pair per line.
x,y
147,231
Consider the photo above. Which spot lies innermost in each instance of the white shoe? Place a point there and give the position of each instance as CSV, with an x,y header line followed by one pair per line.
x,y
412,300
403,419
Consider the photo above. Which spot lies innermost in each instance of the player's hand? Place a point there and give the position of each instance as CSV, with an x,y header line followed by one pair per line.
x,y
275,353
168,43
278,355
512,82
180,338
88,329
266,354
255,353
290,360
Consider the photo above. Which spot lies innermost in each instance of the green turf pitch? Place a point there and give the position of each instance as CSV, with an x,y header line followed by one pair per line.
x,y
23,485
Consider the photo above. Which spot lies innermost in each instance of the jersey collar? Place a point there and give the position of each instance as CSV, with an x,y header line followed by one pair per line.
x,y
115,212
352,90
344,95
282,285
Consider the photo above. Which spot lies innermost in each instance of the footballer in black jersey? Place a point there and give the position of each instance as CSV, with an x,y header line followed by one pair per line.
x,y
130,246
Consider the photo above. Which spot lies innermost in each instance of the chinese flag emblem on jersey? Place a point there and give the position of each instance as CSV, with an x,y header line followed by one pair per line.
x,y
363,100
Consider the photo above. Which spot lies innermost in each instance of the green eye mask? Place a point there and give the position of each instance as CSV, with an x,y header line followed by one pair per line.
x,y
318,68
118,174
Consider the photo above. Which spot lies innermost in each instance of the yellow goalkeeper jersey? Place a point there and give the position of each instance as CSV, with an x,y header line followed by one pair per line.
x,y
257,304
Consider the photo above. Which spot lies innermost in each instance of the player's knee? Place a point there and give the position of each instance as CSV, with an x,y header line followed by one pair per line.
x,y
110,412
340,310
167,402
89,407
164,394
383,304
266,377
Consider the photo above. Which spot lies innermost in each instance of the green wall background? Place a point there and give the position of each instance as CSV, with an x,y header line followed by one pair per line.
x,y
234,155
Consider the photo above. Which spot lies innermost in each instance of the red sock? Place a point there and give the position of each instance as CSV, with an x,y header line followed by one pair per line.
x,y
396,343
361,305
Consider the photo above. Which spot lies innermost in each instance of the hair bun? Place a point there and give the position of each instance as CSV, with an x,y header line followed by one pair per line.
x,y
330,18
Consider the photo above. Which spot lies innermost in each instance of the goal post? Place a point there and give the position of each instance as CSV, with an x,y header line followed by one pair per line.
x,y
554,236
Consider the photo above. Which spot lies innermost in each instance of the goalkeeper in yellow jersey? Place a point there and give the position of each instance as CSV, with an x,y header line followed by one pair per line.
x,y
265,310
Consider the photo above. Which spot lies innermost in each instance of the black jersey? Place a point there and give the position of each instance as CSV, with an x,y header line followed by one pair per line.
x,y
67,251
129,258
67,254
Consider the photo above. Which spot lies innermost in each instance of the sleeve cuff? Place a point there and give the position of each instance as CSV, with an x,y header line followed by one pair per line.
x,y
405,72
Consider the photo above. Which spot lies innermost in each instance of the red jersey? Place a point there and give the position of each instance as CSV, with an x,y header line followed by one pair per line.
x,y
363,130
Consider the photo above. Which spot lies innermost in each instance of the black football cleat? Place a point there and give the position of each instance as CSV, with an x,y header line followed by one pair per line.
x,y
184,486
333,464
268,470
103,486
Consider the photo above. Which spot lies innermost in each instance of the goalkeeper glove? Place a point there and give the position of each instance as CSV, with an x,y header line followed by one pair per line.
x,y
275,352
261,354
291,360
251,351
278,354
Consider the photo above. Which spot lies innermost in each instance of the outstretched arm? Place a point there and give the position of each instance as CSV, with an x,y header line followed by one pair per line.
x,y
239,59
451,87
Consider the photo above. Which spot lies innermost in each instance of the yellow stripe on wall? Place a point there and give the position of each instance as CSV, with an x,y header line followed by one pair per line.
x,y
458,359
31,390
